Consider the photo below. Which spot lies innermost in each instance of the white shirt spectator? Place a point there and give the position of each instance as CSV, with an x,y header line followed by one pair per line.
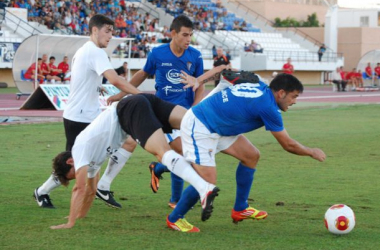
x,y
336,76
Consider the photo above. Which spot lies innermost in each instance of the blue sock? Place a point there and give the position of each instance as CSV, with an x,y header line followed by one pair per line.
x,y
177,187
189,198
244,179
159,169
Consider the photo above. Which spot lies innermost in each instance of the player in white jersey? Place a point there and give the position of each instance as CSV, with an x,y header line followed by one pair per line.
x,y
108,131
90,63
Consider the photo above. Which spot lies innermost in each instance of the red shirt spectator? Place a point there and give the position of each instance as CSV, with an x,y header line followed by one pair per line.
x,y
288,67
64,66
45,70
343,74
377,70
368,70
29,74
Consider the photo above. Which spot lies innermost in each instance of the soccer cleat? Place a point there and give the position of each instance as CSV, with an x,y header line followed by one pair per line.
x,y
182,225
248,213
207,202
155,180
236,77
43,201
107,197
172,205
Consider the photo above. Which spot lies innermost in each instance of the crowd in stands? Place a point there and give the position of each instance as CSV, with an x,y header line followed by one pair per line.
x,y
72,17
207,16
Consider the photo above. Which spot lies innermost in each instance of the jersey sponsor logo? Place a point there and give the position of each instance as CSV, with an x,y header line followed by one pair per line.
x,y
173,76
167,64
168,88
189,65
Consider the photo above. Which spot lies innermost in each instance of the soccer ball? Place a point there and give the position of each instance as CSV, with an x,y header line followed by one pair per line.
x,y
340,219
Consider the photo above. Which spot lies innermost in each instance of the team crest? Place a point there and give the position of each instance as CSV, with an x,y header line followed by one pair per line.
x,y
189,65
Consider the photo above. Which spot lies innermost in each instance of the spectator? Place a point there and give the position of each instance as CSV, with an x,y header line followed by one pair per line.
x,y
321,50
368,71
30,73
214,54
288,67
64,66
247,48
351,79
56,74
337,79
220,59
377,72
255,47
123,70
228,55
359,79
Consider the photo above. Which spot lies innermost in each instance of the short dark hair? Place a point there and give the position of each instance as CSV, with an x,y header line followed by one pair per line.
x,y
61,168
99,21
181,21
39,59
52,57
287,82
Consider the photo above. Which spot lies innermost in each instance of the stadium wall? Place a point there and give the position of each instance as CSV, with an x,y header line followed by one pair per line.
x,y
7,77
271,10
352,42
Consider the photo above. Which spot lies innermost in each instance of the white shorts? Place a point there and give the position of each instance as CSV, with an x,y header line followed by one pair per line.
x,y
172,136
199,145
92,171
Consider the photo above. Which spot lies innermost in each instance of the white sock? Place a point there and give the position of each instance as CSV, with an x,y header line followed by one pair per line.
x,y
179,166
115,164
49,185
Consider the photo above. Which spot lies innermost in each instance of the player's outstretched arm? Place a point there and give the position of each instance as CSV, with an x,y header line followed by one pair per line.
x,y
136,80
77,198
119,82
212,74
89,196
294,147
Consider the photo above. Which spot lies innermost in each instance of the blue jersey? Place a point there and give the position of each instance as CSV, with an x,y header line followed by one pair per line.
x,y
239,109
167,68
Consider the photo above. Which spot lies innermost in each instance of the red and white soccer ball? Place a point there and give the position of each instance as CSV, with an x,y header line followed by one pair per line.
x,y
340,219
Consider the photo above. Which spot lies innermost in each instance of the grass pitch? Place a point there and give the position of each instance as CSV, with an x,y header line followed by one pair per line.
x,y
349,135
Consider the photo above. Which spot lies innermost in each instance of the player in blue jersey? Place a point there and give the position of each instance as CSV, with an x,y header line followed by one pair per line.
x,y
216,125
166,62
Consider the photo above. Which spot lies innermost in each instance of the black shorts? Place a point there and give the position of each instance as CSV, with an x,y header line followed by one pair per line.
x,y
72,130
141,115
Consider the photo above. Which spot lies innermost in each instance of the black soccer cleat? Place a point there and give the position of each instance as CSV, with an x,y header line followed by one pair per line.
x,y
107,197
207,203
43,201
237,77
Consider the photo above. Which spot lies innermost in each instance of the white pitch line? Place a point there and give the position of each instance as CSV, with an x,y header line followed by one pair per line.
x,y
6,109
336,96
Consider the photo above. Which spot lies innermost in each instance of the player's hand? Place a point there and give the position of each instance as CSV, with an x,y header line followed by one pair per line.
x,y
62,226
190,81
112,99
103,91
318,154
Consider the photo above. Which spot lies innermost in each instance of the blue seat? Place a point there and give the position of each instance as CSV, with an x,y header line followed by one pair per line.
x,y
22,73
365,77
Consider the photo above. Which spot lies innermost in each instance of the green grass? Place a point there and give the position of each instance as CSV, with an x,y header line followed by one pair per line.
x,y
10,90
350,175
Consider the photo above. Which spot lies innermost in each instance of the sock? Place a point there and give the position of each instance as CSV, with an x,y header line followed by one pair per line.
x,y
189,198
115,164
244,179
159,169
177,187
49,185
180,167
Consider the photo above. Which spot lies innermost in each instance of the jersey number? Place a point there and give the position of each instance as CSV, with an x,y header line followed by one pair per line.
x,y
248,90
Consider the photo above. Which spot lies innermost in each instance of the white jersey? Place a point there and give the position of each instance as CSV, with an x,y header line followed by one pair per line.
x,y
98,141
88,65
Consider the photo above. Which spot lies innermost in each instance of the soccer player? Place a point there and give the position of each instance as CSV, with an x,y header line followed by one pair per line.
x,y
108,131
90,64
217,124
166,62
55,73
368,71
